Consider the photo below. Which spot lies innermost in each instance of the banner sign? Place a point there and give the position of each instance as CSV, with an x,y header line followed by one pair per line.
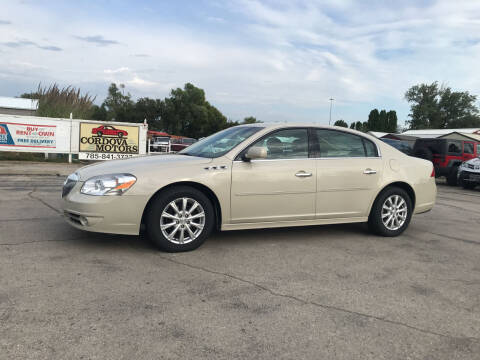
x,y
28,135
107,142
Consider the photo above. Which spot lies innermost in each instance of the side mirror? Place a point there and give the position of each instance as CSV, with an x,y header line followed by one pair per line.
x,y
255,152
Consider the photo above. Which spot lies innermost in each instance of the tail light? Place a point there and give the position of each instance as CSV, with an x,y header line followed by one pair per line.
x,y
433,173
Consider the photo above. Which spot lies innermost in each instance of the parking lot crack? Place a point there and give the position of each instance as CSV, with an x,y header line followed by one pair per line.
x,y
30,195
313,303
30,242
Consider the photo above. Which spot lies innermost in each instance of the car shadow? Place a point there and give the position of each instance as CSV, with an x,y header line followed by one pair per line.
x,y
245,237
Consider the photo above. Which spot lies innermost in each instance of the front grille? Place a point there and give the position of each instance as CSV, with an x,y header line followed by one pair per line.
x,y
471,166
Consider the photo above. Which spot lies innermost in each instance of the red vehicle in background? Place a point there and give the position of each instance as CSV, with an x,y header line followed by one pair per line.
x,y
109,130
180,143
446,155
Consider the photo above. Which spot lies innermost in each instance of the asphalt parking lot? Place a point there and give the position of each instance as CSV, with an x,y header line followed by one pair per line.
x,y
331,292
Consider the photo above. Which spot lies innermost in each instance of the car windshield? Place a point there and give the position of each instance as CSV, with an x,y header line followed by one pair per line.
x,y
220,143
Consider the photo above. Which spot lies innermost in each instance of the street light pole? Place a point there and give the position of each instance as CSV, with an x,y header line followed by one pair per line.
x,y
330,119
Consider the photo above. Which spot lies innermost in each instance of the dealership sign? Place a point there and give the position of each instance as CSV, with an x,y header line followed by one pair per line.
x,y
90,139
19,135
107,142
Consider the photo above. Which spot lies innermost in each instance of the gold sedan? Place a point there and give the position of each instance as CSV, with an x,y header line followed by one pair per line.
x,y
253,176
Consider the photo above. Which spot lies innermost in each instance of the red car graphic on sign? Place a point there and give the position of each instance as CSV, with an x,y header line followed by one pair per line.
x,y
3,131
109,130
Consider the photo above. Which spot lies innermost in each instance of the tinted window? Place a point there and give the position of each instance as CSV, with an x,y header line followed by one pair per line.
x,y
286,144
370,148
468,148
455,147
341,144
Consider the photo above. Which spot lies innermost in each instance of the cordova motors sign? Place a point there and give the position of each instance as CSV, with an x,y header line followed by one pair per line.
x,y
108,141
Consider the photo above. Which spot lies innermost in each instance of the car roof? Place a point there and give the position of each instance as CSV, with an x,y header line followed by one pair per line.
x,y
280,125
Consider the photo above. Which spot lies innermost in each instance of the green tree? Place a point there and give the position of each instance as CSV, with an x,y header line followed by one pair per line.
x,y
250,120
186,112
119,107
150,110
434,106
341,123
352,125
392,121
373,122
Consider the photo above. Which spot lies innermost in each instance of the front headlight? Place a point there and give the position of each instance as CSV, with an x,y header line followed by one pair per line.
x,y
113,184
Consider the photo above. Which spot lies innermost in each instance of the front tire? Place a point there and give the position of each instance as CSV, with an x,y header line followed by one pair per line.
x,y
180,219
391,212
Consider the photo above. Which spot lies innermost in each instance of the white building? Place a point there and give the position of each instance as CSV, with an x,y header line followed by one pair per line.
x,y
17,106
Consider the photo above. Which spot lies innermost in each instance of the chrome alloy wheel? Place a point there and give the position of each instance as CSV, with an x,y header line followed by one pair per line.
x,y
394,212
182,220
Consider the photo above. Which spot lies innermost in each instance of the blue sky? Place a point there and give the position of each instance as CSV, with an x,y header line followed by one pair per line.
x,y
276,60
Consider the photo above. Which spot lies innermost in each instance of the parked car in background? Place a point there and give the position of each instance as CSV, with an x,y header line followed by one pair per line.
x,y
160,144
178,144
446,155
253,176
403,146
469,173
109,130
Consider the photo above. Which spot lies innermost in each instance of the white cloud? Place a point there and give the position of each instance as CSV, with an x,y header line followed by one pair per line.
x,y
116,71
282,59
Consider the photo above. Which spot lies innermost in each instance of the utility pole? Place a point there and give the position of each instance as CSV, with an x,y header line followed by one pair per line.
x,y
330,119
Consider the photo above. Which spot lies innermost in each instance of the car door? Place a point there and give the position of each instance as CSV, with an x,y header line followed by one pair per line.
x,y
349,170
280,187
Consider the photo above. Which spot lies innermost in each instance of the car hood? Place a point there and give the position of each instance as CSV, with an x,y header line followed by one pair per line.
x,y
475,161
139,165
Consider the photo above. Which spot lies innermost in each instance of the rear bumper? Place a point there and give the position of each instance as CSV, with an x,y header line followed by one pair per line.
x,y
426,194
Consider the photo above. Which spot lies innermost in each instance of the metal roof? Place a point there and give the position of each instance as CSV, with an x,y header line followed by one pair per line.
x,y
18,103
472,136
433,133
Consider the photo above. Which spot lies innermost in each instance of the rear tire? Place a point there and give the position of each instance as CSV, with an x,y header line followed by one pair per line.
x,y
178,232
391,212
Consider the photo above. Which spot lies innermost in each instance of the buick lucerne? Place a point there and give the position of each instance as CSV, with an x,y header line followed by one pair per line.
x,y
253,176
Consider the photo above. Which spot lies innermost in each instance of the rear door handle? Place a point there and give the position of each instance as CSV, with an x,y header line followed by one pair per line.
x,y
369,171
303,174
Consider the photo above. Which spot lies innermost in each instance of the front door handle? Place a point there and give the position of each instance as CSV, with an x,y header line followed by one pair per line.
x,y
369,171
303,174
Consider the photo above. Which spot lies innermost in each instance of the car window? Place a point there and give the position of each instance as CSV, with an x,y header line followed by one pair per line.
x,y
370,148
468,148
334,143
455,147
286,144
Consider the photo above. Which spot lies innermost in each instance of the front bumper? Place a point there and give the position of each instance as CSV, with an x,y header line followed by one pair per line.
x,y
469,176
107,214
